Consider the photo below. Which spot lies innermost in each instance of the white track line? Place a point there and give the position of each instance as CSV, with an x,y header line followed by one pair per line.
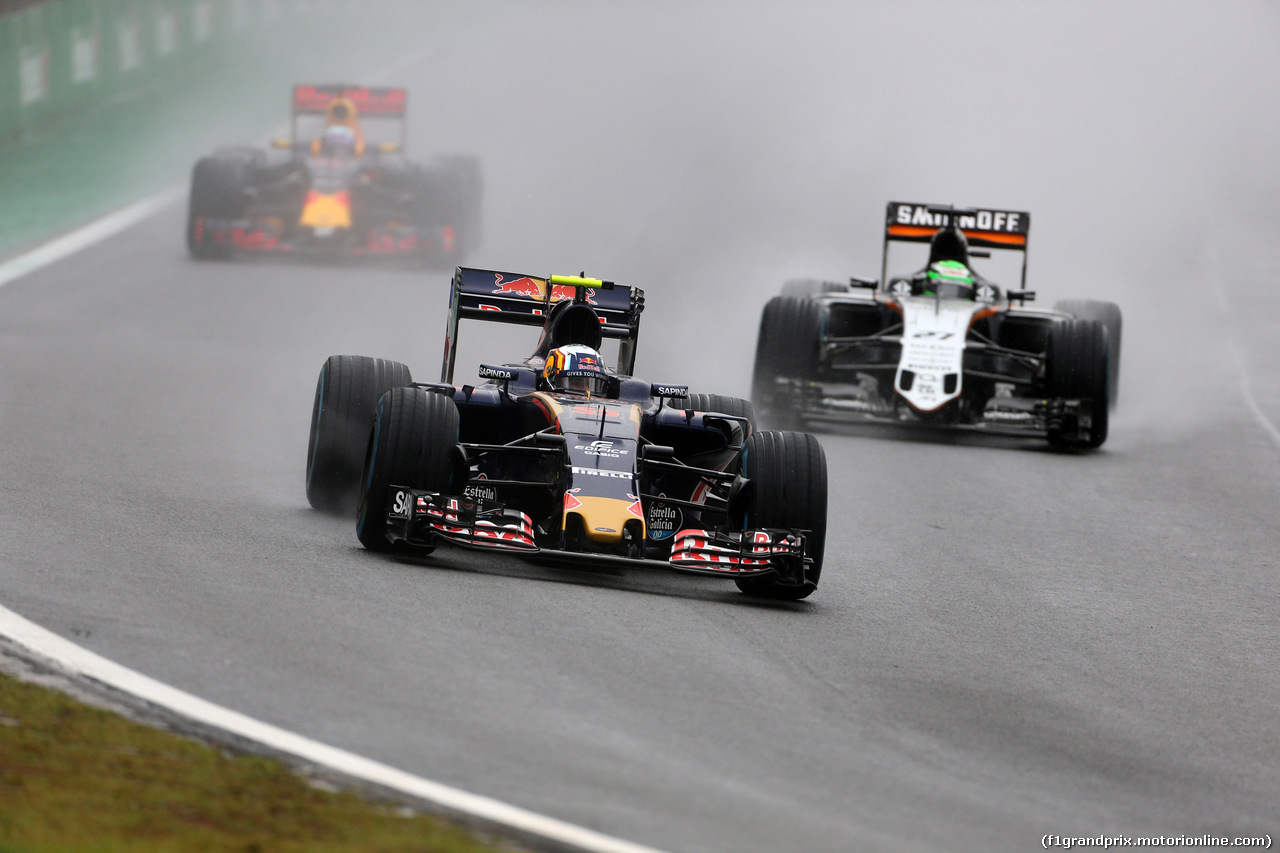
x,y
82,662
85,236
1242,371
79,661
1246,389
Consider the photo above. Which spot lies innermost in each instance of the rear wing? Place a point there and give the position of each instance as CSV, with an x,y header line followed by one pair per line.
x,y
525,300
985,228
382,103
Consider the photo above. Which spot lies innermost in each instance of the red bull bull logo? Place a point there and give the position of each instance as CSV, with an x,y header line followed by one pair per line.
x,y
530,288
568,291
536,288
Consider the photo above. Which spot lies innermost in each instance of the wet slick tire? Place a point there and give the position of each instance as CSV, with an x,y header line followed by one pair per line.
x,y
734,406
410,444
1078,366
788,474
217,192
786,347
812,287
1108,314
346,392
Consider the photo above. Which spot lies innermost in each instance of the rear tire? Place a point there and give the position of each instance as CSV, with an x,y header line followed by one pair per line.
x,y
1108,314
1077,365
735,406
786,347
217,192
346,392
410,444
788,474
800,287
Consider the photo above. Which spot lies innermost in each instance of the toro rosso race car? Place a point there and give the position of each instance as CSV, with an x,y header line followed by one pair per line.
x,y
943,346
560,456
339,186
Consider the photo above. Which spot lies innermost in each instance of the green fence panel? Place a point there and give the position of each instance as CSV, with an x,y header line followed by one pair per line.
x,y
8,77
60,57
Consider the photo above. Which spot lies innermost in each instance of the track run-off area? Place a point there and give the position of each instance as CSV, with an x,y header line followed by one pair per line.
x,y
1008,642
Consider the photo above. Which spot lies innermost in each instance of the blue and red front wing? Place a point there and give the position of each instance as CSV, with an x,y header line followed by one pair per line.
x,y
428,518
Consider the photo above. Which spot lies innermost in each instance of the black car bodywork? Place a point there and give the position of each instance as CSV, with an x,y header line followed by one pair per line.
x,y
300,199
969,356
642,472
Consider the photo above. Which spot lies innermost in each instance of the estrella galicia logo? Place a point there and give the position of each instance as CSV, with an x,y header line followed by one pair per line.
x,y
663,520
480,493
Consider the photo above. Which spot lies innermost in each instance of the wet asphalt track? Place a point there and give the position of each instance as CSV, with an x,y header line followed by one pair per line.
x,y
1007,642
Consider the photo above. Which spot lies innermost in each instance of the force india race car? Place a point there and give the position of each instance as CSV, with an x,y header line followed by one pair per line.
x,y
942,347
559,457
339,186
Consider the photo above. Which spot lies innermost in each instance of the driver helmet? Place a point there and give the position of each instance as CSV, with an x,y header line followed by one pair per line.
x,y
338,139
947,272
949,244
576,369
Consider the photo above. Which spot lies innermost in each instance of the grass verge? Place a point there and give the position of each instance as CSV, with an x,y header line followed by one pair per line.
x,y
79,778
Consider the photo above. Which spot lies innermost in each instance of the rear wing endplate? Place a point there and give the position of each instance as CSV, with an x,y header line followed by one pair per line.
x,y
526,300
983,227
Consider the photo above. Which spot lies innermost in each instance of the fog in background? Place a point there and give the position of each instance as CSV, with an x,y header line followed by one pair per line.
x,y
708,151
1007,641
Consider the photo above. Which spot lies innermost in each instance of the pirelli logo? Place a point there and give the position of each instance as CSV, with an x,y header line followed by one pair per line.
x,y
1001,228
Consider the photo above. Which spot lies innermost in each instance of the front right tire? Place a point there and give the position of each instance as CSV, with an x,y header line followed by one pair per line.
x,y
346,392
217,192
787,348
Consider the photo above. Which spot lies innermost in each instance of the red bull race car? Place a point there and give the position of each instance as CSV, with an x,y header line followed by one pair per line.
x,y
943,346
340,185
561,458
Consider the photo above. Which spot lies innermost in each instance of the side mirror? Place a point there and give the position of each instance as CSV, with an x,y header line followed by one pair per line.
x,y
1023,296
867,283
282,143
388,148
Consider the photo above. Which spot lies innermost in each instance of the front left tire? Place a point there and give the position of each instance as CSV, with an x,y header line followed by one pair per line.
x,y
411,444
788,474
1078,366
